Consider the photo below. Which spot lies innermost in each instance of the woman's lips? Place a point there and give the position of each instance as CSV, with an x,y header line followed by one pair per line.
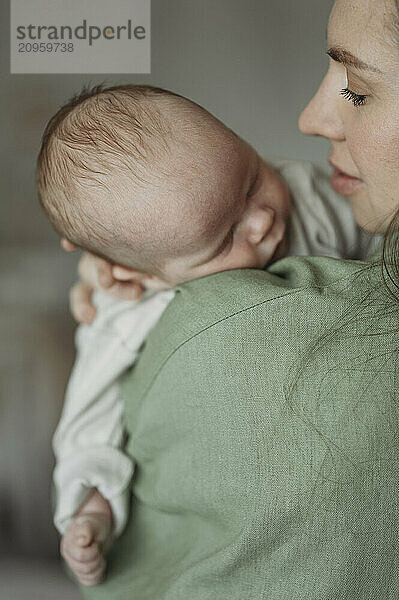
x,y
344,184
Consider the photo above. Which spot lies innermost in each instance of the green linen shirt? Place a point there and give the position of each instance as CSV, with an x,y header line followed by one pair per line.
x,y
263,420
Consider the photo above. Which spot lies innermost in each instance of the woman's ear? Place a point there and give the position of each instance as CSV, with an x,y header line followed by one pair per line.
x,y
151,282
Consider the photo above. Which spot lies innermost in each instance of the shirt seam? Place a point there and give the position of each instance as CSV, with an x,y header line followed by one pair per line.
x,y
368,267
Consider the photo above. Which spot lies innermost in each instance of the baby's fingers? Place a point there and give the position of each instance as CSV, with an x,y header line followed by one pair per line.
x,y
78,543
87,569
73,553
67,245
84,533
127,274
126,290
80,303
92,578
95,272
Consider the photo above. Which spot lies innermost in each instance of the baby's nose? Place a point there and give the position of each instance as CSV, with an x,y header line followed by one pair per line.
x,y
260,223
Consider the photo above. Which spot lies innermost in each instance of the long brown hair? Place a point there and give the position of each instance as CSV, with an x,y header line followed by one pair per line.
x,y
390,248
390,257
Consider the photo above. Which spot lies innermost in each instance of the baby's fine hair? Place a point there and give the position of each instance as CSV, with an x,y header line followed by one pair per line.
x,y
100,139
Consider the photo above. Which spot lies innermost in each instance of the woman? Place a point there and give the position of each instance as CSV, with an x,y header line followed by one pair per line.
x,y
265,432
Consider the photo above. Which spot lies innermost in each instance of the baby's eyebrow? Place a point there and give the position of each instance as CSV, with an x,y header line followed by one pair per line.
x,y
347,58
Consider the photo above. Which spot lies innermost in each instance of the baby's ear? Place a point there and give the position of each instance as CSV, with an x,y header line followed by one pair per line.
x,y
151,282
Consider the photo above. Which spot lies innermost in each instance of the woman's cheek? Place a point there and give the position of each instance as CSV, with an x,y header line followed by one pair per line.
x,y
378,162
374,147
385,153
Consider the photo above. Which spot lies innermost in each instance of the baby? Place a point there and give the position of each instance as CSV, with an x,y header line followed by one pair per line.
x,y
153,182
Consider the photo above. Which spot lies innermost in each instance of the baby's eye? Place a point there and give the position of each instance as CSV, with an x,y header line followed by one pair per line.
x,y
230,235
356,99
228,240
253,186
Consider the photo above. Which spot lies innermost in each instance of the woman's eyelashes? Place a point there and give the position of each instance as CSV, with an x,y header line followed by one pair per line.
x,y
356,99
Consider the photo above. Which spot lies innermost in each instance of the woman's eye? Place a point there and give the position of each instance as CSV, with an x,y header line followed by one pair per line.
x,y
356,99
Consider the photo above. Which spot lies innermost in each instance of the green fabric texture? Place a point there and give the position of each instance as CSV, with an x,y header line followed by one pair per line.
x,y
263,420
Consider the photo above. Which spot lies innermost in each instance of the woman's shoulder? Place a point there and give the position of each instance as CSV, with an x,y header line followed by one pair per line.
x,y
235,290
252,328
293,293
307,273
259,326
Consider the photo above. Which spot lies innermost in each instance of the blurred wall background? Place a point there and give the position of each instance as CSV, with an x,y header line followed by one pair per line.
x,y
254,64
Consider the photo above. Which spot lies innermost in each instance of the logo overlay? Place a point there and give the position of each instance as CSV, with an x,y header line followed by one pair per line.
x,y
80,36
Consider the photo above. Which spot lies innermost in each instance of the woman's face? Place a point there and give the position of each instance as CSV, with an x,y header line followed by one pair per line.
x,y
357,108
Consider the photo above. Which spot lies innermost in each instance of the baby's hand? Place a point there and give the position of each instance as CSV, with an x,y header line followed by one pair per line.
x,y
82,546
99,274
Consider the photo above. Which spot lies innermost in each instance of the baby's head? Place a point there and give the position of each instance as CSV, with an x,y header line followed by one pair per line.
x,y
152,181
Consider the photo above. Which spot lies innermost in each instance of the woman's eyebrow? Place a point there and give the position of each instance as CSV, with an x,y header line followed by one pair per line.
x,y
347,58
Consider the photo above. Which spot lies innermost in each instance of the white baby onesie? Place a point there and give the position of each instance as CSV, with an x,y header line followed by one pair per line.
x,y
89,438
87,442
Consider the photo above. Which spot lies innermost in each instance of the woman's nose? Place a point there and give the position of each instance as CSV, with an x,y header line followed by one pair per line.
x,y
321,116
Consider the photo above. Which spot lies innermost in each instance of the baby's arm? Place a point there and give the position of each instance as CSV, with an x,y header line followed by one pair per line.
x,y
87,442
88,439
